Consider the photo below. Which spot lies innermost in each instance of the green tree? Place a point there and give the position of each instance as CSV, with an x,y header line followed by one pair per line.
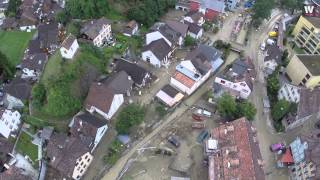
x,y
227,106
38,95
280,109
273,86
6,68
189,41
130,116
13,7
84,9
292,4
62,17
246,109
262,10
74,28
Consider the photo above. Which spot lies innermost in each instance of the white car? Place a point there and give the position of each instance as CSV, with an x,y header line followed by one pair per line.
x,y
203,112
263,46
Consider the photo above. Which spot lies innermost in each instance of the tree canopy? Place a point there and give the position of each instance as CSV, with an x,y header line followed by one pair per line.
x,y
273,86
6,68
231,110
130,116
149,11
280,109
262,10
291,4
13,7
86,9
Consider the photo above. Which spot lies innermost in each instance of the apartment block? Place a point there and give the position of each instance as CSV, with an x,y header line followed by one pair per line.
x,y
307,34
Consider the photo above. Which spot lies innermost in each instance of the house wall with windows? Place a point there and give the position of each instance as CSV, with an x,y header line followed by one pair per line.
x,y
240,87
82,165
306,34
9,122
69,53
104,34
300,75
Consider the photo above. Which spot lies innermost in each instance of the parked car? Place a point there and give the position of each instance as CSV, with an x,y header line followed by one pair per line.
x,y
202,136
198,125
174,141
202,112
197,117
277,147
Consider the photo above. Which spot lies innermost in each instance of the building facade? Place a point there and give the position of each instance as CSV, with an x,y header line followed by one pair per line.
x,y
304,70
289,93
307,34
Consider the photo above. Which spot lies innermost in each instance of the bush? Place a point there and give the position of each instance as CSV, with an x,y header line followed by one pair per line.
x,y
130,116
161,110
280,109
114,153
215,30
273,86
74,28
189,41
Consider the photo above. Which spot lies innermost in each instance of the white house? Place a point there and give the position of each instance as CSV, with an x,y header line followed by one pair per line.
x,y
69,47
169,95
98,31
157,53
9,122
87,125
237,89
69,155
194,17
195,31
196,69
106,97
237,81
131,28
289,93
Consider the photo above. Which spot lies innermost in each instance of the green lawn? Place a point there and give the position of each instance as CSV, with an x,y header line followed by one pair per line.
x,y
13,44
26,147
53,67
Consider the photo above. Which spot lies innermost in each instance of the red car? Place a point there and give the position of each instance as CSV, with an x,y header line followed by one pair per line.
x,y
197,118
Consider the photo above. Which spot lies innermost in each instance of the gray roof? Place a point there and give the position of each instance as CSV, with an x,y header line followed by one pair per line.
x,y
35,61
46,133
64,151
311,62
91,119
93,27
309,102
171,34
18,88
169,90
239,67
119,82
159,48
136,72
273,53
194,28
48,35
34,47
67,43
202,57
178,27
315,21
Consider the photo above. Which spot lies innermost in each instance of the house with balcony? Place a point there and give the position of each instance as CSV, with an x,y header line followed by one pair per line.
x,y
307,34
97,30
197,67
237,80
304,70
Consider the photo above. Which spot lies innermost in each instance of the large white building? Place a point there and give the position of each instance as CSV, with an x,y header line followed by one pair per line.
x,y
98,31
196,69
290,93
9,122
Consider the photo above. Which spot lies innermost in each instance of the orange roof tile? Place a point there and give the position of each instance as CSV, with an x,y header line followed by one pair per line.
x,y
183,79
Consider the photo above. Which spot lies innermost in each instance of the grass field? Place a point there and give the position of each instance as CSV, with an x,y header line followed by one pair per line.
x,y
26,147
13,44
53,68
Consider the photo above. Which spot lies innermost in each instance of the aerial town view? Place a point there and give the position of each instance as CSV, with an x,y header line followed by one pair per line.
x,y
160,89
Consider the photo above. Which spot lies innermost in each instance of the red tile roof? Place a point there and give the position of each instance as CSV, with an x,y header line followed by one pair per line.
x,y
239,154
183,79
